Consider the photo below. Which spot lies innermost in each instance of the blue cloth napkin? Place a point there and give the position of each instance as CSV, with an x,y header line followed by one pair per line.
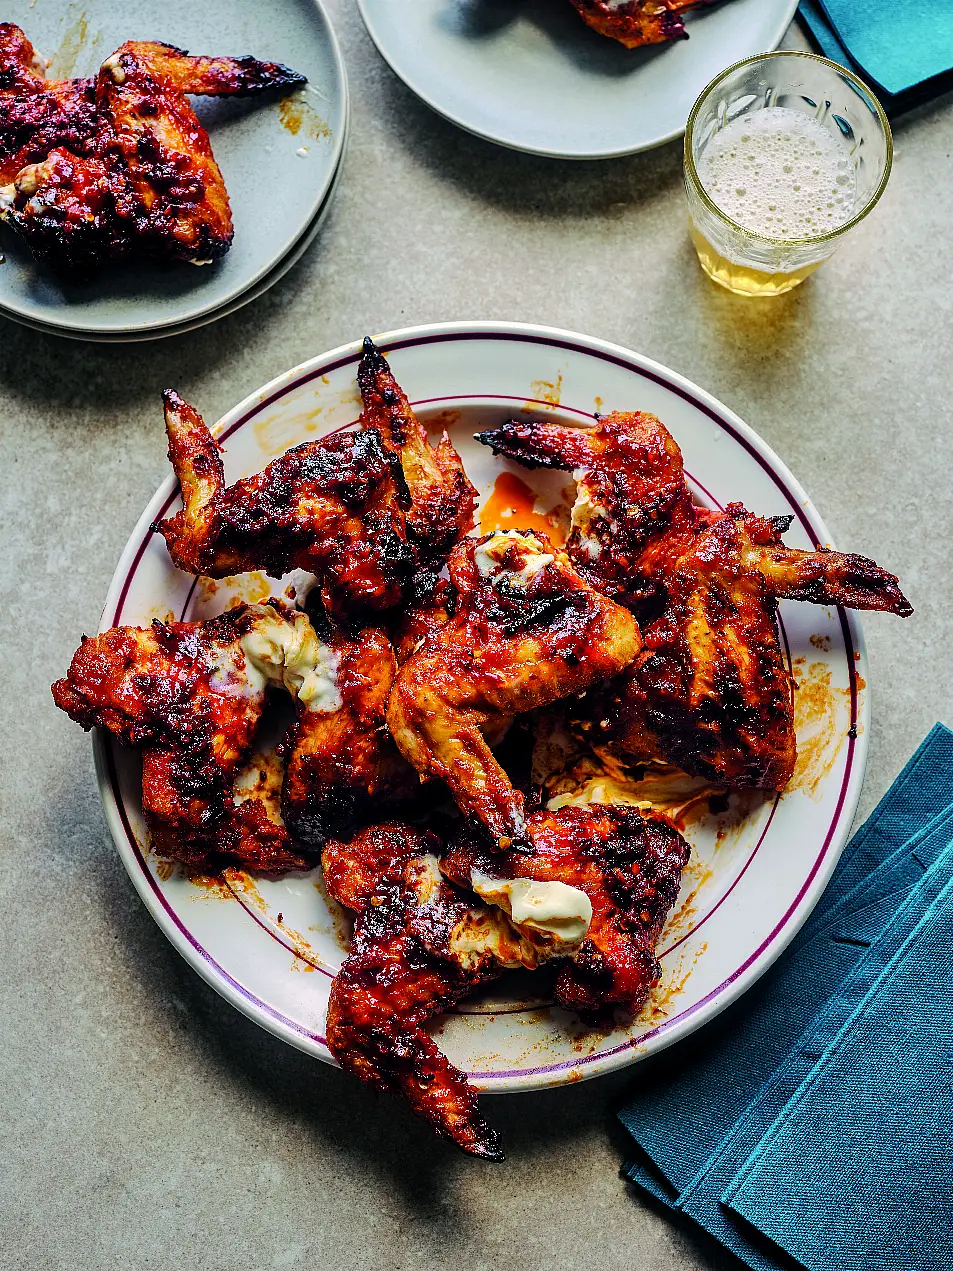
x,y
709,1109
906,51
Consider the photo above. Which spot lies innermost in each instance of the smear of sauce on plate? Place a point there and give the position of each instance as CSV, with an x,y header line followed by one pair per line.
x,y
512,506
299,118
547,391
821,721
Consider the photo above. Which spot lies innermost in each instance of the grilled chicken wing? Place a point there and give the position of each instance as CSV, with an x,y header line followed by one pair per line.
x,y
636,23
122,169
526,630
371,512
37,114
334,507
710,691
342,766
419,946
190,696
627,862
442,498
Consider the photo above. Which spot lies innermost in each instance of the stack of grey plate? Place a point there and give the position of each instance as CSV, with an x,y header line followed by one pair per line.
x,y
281,158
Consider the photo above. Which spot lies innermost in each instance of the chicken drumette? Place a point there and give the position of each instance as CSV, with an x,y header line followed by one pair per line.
x,y
525,631
710,690
627,862
118,167
342,766
419,946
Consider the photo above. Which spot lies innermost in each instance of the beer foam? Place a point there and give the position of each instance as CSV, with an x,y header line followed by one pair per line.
x,y
779,173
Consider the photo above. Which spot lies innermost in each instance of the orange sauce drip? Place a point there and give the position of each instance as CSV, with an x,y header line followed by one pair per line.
x,y
296,115
512,506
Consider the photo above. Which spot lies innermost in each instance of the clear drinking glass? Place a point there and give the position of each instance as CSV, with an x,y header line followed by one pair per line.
x,y
753,263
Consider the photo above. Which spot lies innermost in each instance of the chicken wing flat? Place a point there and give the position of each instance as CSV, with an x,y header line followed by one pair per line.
x,y
636,23
334,507
526,631
710,690
626,861
343,768
419,946
442,498
144,182
189,695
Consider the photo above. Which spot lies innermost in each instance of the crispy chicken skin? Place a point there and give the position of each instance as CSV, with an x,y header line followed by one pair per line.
x,y
526,630
639,22
183,693
342,766
419,946
710,691
629,863
442,498
37,114
120,167
371,512
334,507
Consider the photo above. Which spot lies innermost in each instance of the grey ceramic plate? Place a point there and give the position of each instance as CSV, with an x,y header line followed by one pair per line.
x,y
530,75
276,192
259,288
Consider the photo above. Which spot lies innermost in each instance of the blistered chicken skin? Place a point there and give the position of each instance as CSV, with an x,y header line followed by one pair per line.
x,y
526,631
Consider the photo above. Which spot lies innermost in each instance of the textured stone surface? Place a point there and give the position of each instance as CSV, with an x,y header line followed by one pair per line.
x,y
145,1123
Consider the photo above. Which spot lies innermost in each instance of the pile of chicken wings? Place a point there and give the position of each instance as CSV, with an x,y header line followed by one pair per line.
x,y
420,659
117,167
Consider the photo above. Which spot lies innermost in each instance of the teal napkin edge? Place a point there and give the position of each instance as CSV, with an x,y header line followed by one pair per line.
x,y
703,1202
874,849
741,1195
905,97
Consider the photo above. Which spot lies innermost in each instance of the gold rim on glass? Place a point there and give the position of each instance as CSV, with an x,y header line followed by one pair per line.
x,y
763,238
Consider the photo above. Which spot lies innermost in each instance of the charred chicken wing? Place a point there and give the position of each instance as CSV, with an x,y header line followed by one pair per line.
x,y
636,23
442,498
526,630
342,766
334,507
190,696
419,946
37,114
123,168
627,862
710,690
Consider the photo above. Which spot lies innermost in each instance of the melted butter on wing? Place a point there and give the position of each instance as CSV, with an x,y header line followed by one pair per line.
x,y
552,915
287,651
489,558
483,930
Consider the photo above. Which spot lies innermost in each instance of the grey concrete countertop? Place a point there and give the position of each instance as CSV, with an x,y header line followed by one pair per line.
x,y
145,1122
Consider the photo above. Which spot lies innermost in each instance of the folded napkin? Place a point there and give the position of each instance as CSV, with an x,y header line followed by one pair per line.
x,y
906,51
748,1128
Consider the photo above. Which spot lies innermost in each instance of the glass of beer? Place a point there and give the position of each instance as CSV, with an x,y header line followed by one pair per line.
x,y
784,154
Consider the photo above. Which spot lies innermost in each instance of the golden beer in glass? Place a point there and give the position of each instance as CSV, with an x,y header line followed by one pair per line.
x,y
752,253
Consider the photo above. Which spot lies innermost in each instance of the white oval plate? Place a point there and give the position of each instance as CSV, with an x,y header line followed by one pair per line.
x,y
531,75
275,191
272,947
